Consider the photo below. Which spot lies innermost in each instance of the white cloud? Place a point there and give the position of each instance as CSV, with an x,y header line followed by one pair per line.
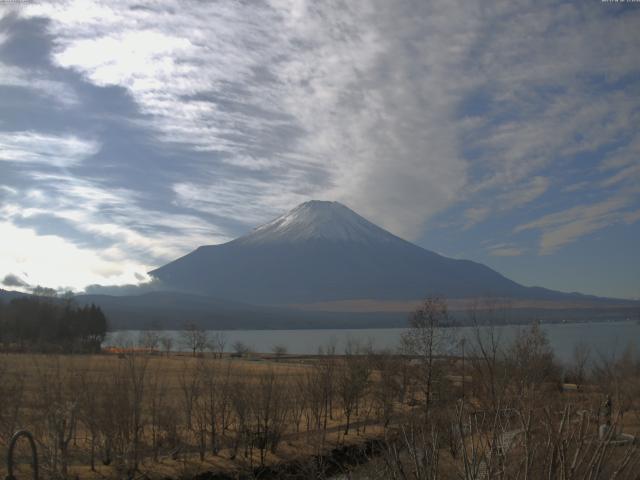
x,y
632,217
228,198
133,240
630,173
53,261
505,250
52,150
575,187
305,69
8,190
362,99
525,193
475,215
362,102
59,92
512,197
568,225
623,156
116,214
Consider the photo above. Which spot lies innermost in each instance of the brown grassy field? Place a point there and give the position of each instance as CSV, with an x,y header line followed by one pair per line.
x,y
505,411
46,390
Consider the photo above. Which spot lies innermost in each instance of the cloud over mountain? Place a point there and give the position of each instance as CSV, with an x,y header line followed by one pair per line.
x,y
436,120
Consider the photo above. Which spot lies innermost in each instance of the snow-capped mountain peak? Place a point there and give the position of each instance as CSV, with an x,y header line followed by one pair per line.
x,y
323,251
317,219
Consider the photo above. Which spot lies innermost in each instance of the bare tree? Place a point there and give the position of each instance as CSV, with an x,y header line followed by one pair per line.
x,y
532,361
201,411
215,385
149,340
240,348
241,404
327,366
190,381
279,351
429,336
386,390
577,370
298,400
167,343
269,413
353,381
194,338
57,409
562,442
218,343
156,403
88,411
136,368
315,386
12,393
617,375
112,412
486,358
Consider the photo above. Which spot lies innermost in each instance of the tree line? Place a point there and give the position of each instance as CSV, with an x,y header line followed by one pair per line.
x,y
51,325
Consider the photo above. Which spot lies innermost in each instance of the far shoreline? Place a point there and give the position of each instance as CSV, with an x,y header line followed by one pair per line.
x,y
357,327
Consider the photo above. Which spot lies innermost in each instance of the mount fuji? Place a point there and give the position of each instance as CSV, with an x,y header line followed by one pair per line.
x,y
324,252
323,266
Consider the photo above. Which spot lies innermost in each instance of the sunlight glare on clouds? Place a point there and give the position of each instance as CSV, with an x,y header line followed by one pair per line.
x,y
123,57
53,261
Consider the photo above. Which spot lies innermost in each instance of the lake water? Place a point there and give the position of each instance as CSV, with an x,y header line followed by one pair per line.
x,y
603,338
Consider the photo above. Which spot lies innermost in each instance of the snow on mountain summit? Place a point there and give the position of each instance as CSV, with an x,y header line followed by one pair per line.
x,y
315,220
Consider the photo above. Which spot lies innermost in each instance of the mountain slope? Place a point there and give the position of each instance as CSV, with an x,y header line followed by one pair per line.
x,y
323,251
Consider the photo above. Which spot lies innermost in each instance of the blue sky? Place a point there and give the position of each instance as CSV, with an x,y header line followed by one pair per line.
x,y
503,132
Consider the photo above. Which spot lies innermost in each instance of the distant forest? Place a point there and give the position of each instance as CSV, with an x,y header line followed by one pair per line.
x,y
40,324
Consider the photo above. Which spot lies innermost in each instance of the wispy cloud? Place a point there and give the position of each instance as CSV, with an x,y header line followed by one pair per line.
x,y
268,86
36,81
524,193
475,215
8,190
568,225
275,85
628,174
228,198
47,149
505,250
403,110
632,217
511,197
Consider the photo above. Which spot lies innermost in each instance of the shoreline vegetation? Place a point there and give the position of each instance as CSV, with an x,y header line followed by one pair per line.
x,y
218,411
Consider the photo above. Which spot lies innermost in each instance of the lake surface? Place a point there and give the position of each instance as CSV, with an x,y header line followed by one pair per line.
x,y
602,338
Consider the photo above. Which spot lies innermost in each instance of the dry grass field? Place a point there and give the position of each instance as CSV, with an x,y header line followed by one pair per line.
x,y
157,414
507,412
